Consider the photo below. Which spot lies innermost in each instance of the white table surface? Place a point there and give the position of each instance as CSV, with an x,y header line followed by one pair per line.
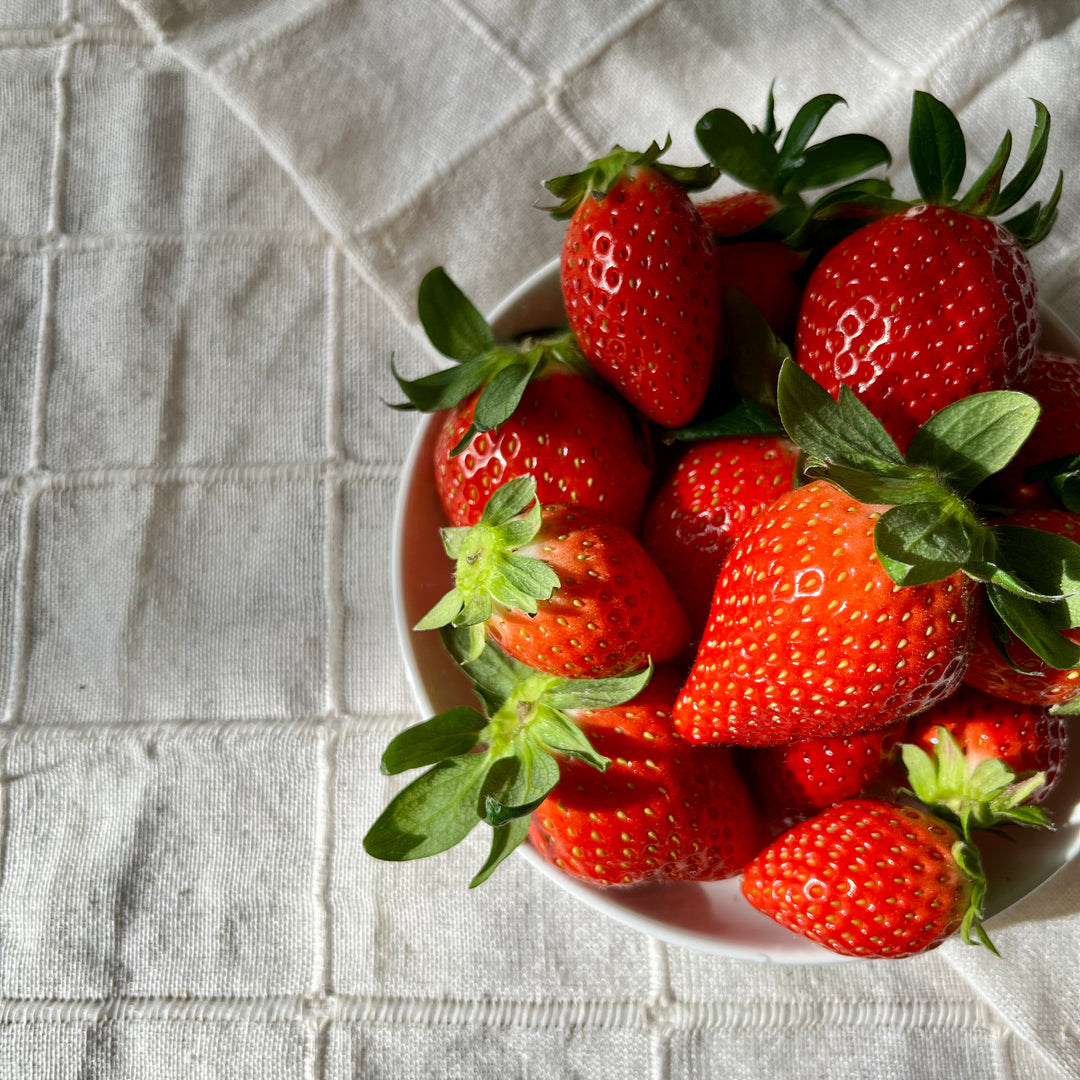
x,y
213,219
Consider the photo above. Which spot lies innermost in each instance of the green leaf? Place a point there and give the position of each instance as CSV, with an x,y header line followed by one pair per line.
x,y
508,500
983,195
936,149
449,734
556,731
492,672
1021,183
597,693
843,431
975,437
444,612
746,418
451,322
435,812
916,486
502,394
442,389
1035,625
837,159
802,127
755,353
504,840
517,784
748,156
1048,563
932,540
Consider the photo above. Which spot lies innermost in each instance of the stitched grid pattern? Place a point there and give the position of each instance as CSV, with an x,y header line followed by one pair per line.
x,y
330,1012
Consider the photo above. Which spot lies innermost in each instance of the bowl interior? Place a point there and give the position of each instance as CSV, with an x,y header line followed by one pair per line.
x,y
708,917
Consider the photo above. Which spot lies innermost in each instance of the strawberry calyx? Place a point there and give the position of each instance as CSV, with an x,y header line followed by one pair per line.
x,y
489,569
932,529
502,369
602,174
971,790
785,164
938,156
495,765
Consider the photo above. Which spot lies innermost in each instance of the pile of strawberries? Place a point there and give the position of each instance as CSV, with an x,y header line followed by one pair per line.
x,y
767,565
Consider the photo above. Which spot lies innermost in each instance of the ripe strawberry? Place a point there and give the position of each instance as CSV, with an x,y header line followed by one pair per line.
x,y
794,781
1027,738
809,637
663,810
526,407
934,302
559,589
738,213
1003,666
496,766
582,445
1054,381
714,489
870,878
766,271
638,280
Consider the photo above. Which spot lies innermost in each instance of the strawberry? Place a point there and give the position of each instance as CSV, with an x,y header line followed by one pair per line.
x,y
494,765
663,810
1027,738
638,279
809,637
1005,667
740,212
936,301
560,589
714,489
870,878
526,407
796,780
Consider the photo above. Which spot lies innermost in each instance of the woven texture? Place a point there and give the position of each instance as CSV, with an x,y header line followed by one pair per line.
x,y
213,219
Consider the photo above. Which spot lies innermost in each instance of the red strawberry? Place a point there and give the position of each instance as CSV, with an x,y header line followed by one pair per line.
x,y
715,488
932,303
766,271
638,280
798,779
531,406
559,589
1054,381
1027,738
809,637
663,810
738,213
581,444
1019,675
869,878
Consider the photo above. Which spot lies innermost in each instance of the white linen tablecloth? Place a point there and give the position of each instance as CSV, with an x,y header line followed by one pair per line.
x,y
213,220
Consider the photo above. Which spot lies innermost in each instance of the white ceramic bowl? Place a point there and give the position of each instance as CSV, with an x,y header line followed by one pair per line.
x,y
709,917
